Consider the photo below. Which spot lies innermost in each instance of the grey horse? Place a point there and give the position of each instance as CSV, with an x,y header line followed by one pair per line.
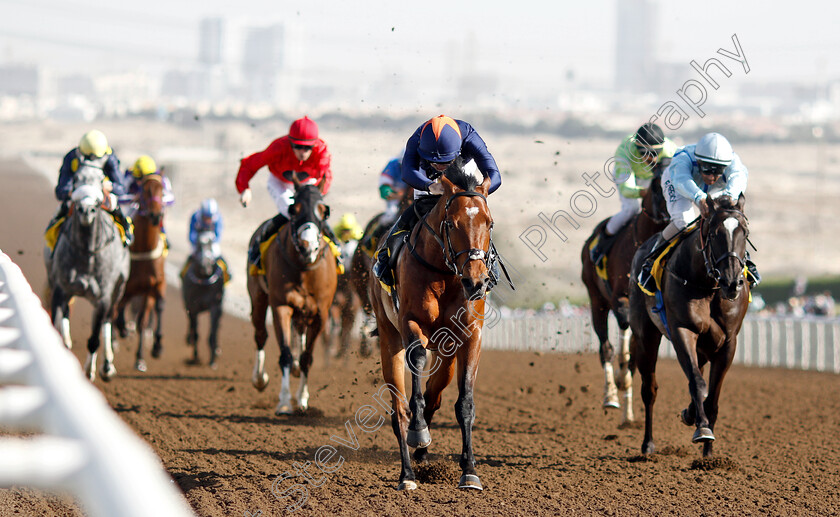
x,y
90,261
203,289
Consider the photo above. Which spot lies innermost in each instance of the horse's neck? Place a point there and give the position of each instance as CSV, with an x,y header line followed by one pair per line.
x,y
425,243
688,262
146,234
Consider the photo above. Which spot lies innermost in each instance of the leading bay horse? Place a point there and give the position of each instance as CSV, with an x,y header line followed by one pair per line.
x,y
442,277
89,260
612,294
705,299
147,280
298,285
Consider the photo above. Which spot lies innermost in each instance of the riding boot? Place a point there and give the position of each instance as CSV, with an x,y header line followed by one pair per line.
x,y
393,241
752,272
63,210
603,245
645,280
125,223
225,269
267,231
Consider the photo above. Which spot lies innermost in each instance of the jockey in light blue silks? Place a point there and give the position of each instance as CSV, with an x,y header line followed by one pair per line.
x,y
708,168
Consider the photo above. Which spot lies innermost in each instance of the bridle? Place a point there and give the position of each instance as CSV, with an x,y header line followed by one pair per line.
x,y
711,262
450,256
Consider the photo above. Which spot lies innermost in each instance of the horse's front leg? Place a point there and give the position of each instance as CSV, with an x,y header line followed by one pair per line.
x,y
393,371
93,341
306,358
441,374
140,361
468,355
720,364
625,375
157,347
600,311
415,357
283,330
213,339
685,346
59,303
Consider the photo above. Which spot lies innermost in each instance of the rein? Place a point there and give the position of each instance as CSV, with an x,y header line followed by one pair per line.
x,y
710,261
450,256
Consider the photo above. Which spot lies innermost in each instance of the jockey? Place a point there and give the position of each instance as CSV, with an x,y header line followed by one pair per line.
x,y
637,159
708,168
349,232
208,218
391,189
428,153
143,166
93,150
301,151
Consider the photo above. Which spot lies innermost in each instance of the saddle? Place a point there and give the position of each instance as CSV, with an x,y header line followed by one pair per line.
x,y
54,231
258,269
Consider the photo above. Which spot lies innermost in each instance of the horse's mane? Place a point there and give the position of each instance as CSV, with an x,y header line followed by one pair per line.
x,y
462,179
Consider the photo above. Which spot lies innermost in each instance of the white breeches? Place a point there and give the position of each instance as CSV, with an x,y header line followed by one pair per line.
x,y
283,194
629,208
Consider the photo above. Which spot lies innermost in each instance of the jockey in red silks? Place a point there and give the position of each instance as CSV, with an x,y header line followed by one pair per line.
x,y
302,153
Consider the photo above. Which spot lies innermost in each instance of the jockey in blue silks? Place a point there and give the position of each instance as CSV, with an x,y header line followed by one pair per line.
x,y
208,218
428,153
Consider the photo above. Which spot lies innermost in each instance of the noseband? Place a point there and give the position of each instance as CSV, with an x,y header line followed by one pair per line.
x,y
706,248
450,256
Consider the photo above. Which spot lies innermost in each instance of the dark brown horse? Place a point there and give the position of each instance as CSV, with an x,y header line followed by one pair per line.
x,y
298,285
442,278
147,280
361,262
705,298
612,294
346,305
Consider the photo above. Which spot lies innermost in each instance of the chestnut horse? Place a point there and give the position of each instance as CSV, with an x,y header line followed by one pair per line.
x,y
442,278
147,279
298,285
705,298
611,294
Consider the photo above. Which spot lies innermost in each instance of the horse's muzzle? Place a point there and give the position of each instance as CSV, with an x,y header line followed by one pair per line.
x,y
474,290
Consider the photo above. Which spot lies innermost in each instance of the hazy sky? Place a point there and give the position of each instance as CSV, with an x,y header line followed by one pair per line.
x,y
535,41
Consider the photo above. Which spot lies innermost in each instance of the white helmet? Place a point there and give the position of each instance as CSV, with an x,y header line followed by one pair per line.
x,y
714,148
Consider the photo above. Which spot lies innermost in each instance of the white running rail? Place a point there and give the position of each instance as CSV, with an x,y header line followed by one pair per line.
x,y
81,446
807,343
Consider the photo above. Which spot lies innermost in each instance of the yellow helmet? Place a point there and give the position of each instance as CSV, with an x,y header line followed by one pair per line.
x,y
94,143
144,166
348,223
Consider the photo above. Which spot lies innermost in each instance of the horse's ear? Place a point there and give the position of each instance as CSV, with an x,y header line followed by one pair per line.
x,y
291,176
325,211
448,186
294,208
741,202
712,202
484,188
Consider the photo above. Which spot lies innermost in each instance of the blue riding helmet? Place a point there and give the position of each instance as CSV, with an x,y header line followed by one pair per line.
x,y
440,140
209,208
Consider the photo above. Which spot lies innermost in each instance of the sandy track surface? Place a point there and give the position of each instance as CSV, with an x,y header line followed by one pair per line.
x,y
543,444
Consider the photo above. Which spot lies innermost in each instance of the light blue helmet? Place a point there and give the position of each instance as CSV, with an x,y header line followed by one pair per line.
x,y
714,148
209,208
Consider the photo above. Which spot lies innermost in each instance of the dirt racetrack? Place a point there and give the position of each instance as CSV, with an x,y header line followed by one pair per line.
x,y
543,444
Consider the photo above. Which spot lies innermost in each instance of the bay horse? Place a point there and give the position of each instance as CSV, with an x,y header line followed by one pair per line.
x,y
442,276
89,260
298,285
203,290
705,298
147,280
346,305
612,294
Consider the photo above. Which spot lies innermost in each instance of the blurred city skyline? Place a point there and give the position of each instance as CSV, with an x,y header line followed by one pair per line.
x,y
596,57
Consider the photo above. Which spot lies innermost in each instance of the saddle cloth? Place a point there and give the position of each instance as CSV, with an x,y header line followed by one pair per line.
x,y
52,233
259,268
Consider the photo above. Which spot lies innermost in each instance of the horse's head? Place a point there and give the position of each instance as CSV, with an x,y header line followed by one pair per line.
x,y
151,198
466,225
86,202
653,204
88,174
307,216
724,235
204,256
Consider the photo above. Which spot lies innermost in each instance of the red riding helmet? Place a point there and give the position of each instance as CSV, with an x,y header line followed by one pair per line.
x,y
304,131
440,140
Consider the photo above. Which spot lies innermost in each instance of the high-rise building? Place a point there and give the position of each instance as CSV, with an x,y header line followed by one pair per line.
x,y
263,60
635,51
210,41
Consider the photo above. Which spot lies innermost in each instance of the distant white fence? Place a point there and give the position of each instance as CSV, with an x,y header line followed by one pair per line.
x,y
809,343
82,447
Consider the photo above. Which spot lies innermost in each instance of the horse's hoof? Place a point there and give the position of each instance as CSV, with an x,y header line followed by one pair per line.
x,y
214,365
107,372
157,350
610,403
421,438
140,365
407,485
122,332
260,382
283,409
648,448
686,417
470,481
703,434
